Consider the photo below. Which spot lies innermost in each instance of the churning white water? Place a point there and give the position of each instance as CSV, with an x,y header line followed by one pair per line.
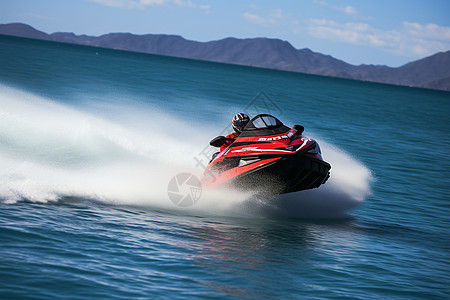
x,y
50,151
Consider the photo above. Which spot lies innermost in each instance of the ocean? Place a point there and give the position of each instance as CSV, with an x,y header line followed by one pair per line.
x,y
91,138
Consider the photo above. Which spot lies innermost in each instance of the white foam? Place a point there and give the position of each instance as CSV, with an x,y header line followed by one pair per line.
x,y
50,150
347,187
129,155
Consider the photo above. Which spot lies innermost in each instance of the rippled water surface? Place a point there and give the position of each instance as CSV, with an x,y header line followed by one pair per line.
x,y
89,139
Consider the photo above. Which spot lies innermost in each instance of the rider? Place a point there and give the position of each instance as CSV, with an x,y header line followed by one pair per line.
x,y
238,123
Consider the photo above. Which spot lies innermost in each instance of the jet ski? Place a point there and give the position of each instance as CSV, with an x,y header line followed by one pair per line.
x,y
268,157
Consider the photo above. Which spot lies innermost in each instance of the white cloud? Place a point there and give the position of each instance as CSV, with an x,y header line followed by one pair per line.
x,y
409,40
348,10
184,3
253,18
272,18
152,2
428,31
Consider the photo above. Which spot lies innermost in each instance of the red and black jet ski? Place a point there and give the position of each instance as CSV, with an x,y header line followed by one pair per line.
x,y
270,157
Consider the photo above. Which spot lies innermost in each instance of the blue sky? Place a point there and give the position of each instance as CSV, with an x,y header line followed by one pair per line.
x,y
390,32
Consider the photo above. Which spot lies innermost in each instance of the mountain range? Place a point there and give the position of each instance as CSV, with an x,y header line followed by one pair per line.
x,y
431,72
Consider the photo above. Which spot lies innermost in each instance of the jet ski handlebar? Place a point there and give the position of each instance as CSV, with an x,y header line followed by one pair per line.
x,y
218,141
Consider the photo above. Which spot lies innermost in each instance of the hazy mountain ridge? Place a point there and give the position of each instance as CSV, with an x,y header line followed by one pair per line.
x,y
431,72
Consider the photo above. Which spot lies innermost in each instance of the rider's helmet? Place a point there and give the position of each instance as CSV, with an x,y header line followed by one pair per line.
x,y
239,122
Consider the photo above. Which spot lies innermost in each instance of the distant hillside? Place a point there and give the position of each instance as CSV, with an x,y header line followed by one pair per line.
x,y
431,72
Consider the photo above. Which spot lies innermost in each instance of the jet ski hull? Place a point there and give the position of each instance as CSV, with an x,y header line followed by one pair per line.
x,y
273,159
275,175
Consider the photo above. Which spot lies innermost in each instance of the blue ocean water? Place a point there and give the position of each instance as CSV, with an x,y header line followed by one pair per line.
x,y
90,138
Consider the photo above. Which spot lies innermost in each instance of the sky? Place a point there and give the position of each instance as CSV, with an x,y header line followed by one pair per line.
x,y
381,32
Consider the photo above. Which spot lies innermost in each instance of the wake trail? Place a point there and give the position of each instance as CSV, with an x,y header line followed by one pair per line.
x,y
49,151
